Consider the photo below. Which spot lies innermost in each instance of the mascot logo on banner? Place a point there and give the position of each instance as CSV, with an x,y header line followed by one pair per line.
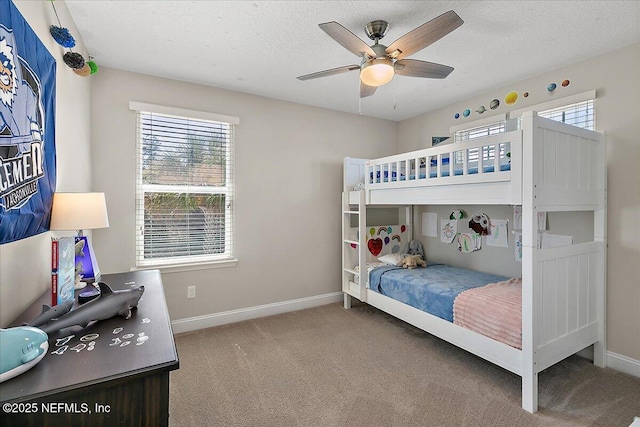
x,y
27,145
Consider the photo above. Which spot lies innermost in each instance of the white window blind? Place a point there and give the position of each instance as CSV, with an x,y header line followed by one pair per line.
x,y
580,114
488,153
480,131
184,195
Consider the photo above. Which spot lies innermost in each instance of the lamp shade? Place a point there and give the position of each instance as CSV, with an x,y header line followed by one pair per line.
x,y
79,211
377,72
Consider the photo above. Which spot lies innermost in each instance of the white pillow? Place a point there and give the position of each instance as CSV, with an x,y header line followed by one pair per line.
x,y
391,259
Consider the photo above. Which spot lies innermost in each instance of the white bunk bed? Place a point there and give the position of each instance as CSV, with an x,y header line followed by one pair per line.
x,y
553,167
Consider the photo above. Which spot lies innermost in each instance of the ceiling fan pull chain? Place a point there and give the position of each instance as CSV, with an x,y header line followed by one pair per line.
x,y
394,93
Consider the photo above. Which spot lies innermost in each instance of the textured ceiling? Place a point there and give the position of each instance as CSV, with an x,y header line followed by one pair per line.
x,y
259,47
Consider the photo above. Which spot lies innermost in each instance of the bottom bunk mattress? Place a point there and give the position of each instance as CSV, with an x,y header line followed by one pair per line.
x,y
435,290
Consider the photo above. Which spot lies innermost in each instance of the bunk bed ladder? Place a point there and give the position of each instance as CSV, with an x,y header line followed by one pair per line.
x,y
351,287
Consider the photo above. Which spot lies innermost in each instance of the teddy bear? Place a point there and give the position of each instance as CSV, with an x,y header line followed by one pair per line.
x,y
412,261
414,247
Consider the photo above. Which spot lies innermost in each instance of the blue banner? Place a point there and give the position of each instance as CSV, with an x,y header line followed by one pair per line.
x,y
27,128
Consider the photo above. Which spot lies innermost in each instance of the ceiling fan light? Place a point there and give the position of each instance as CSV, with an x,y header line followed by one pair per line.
x,y
377,72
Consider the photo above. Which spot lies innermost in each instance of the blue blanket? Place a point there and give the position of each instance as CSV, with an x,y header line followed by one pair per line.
x,y
432,289
422,174
470,171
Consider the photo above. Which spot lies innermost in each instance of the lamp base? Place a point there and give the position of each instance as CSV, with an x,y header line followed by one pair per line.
x,y
87,295
79,284
86,263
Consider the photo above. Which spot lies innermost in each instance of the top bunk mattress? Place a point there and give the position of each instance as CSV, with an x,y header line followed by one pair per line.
x,y
433,174
432,289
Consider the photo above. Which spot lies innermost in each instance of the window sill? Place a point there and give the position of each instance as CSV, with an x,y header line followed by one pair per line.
x,y
177,268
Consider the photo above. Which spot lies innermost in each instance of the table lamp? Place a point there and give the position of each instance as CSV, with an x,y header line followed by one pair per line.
x,y
81,211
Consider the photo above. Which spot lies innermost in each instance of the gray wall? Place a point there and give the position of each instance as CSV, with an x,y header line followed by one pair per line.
x,y
615,78
288,161
493,259
25,265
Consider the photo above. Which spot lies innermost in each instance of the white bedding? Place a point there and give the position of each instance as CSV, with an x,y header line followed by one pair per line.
x,y
370,266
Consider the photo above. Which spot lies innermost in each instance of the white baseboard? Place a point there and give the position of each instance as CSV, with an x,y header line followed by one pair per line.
x,y
615,361
623,364
216,319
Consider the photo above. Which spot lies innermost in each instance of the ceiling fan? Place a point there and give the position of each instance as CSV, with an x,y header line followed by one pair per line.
x,y
379,62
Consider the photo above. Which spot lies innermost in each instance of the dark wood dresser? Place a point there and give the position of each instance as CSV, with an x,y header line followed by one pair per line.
x,y
120,379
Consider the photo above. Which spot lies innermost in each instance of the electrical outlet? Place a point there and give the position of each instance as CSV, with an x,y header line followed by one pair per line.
x,y
191,291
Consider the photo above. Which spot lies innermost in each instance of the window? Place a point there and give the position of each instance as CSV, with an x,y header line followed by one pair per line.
x,y
580,114
577,110
184,194
480,131
488,152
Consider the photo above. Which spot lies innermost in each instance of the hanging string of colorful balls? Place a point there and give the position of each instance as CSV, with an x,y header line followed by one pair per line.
x,y
73,59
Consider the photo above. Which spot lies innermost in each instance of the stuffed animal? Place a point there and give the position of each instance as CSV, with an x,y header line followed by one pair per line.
x,y
414,247
412,261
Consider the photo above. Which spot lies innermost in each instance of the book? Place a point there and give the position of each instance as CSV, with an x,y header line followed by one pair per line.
x,y
54,271
54,288
63,271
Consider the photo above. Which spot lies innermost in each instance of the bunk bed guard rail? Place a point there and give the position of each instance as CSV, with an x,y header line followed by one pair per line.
x,y
494,161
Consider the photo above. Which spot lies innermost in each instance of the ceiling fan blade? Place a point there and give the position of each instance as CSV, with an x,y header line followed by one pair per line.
x,y
416,68
347,39
330,72
424,35
366,90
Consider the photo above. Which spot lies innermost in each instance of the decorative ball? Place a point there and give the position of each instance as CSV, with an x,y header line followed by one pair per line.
x,y
552,87
511,98
84,71
526,94
62,36
494,104
466,112
93,66
456,116
481,109
73,60
565,83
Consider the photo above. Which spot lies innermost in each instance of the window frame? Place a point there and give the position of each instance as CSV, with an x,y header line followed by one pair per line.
x,y
493,125
565,101
190,262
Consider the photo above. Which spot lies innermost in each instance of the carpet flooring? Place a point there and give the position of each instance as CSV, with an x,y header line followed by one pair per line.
x,y
328,366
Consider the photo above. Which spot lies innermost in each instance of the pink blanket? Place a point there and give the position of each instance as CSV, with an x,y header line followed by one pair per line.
x,y
494,310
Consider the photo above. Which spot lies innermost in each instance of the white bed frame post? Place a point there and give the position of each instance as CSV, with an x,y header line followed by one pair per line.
x,y
408,220
349,289
346,221
600,235
529,247
362,243
563,289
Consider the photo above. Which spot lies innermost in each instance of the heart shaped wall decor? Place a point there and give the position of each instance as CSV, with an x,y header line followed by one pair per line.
x,y
375,246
